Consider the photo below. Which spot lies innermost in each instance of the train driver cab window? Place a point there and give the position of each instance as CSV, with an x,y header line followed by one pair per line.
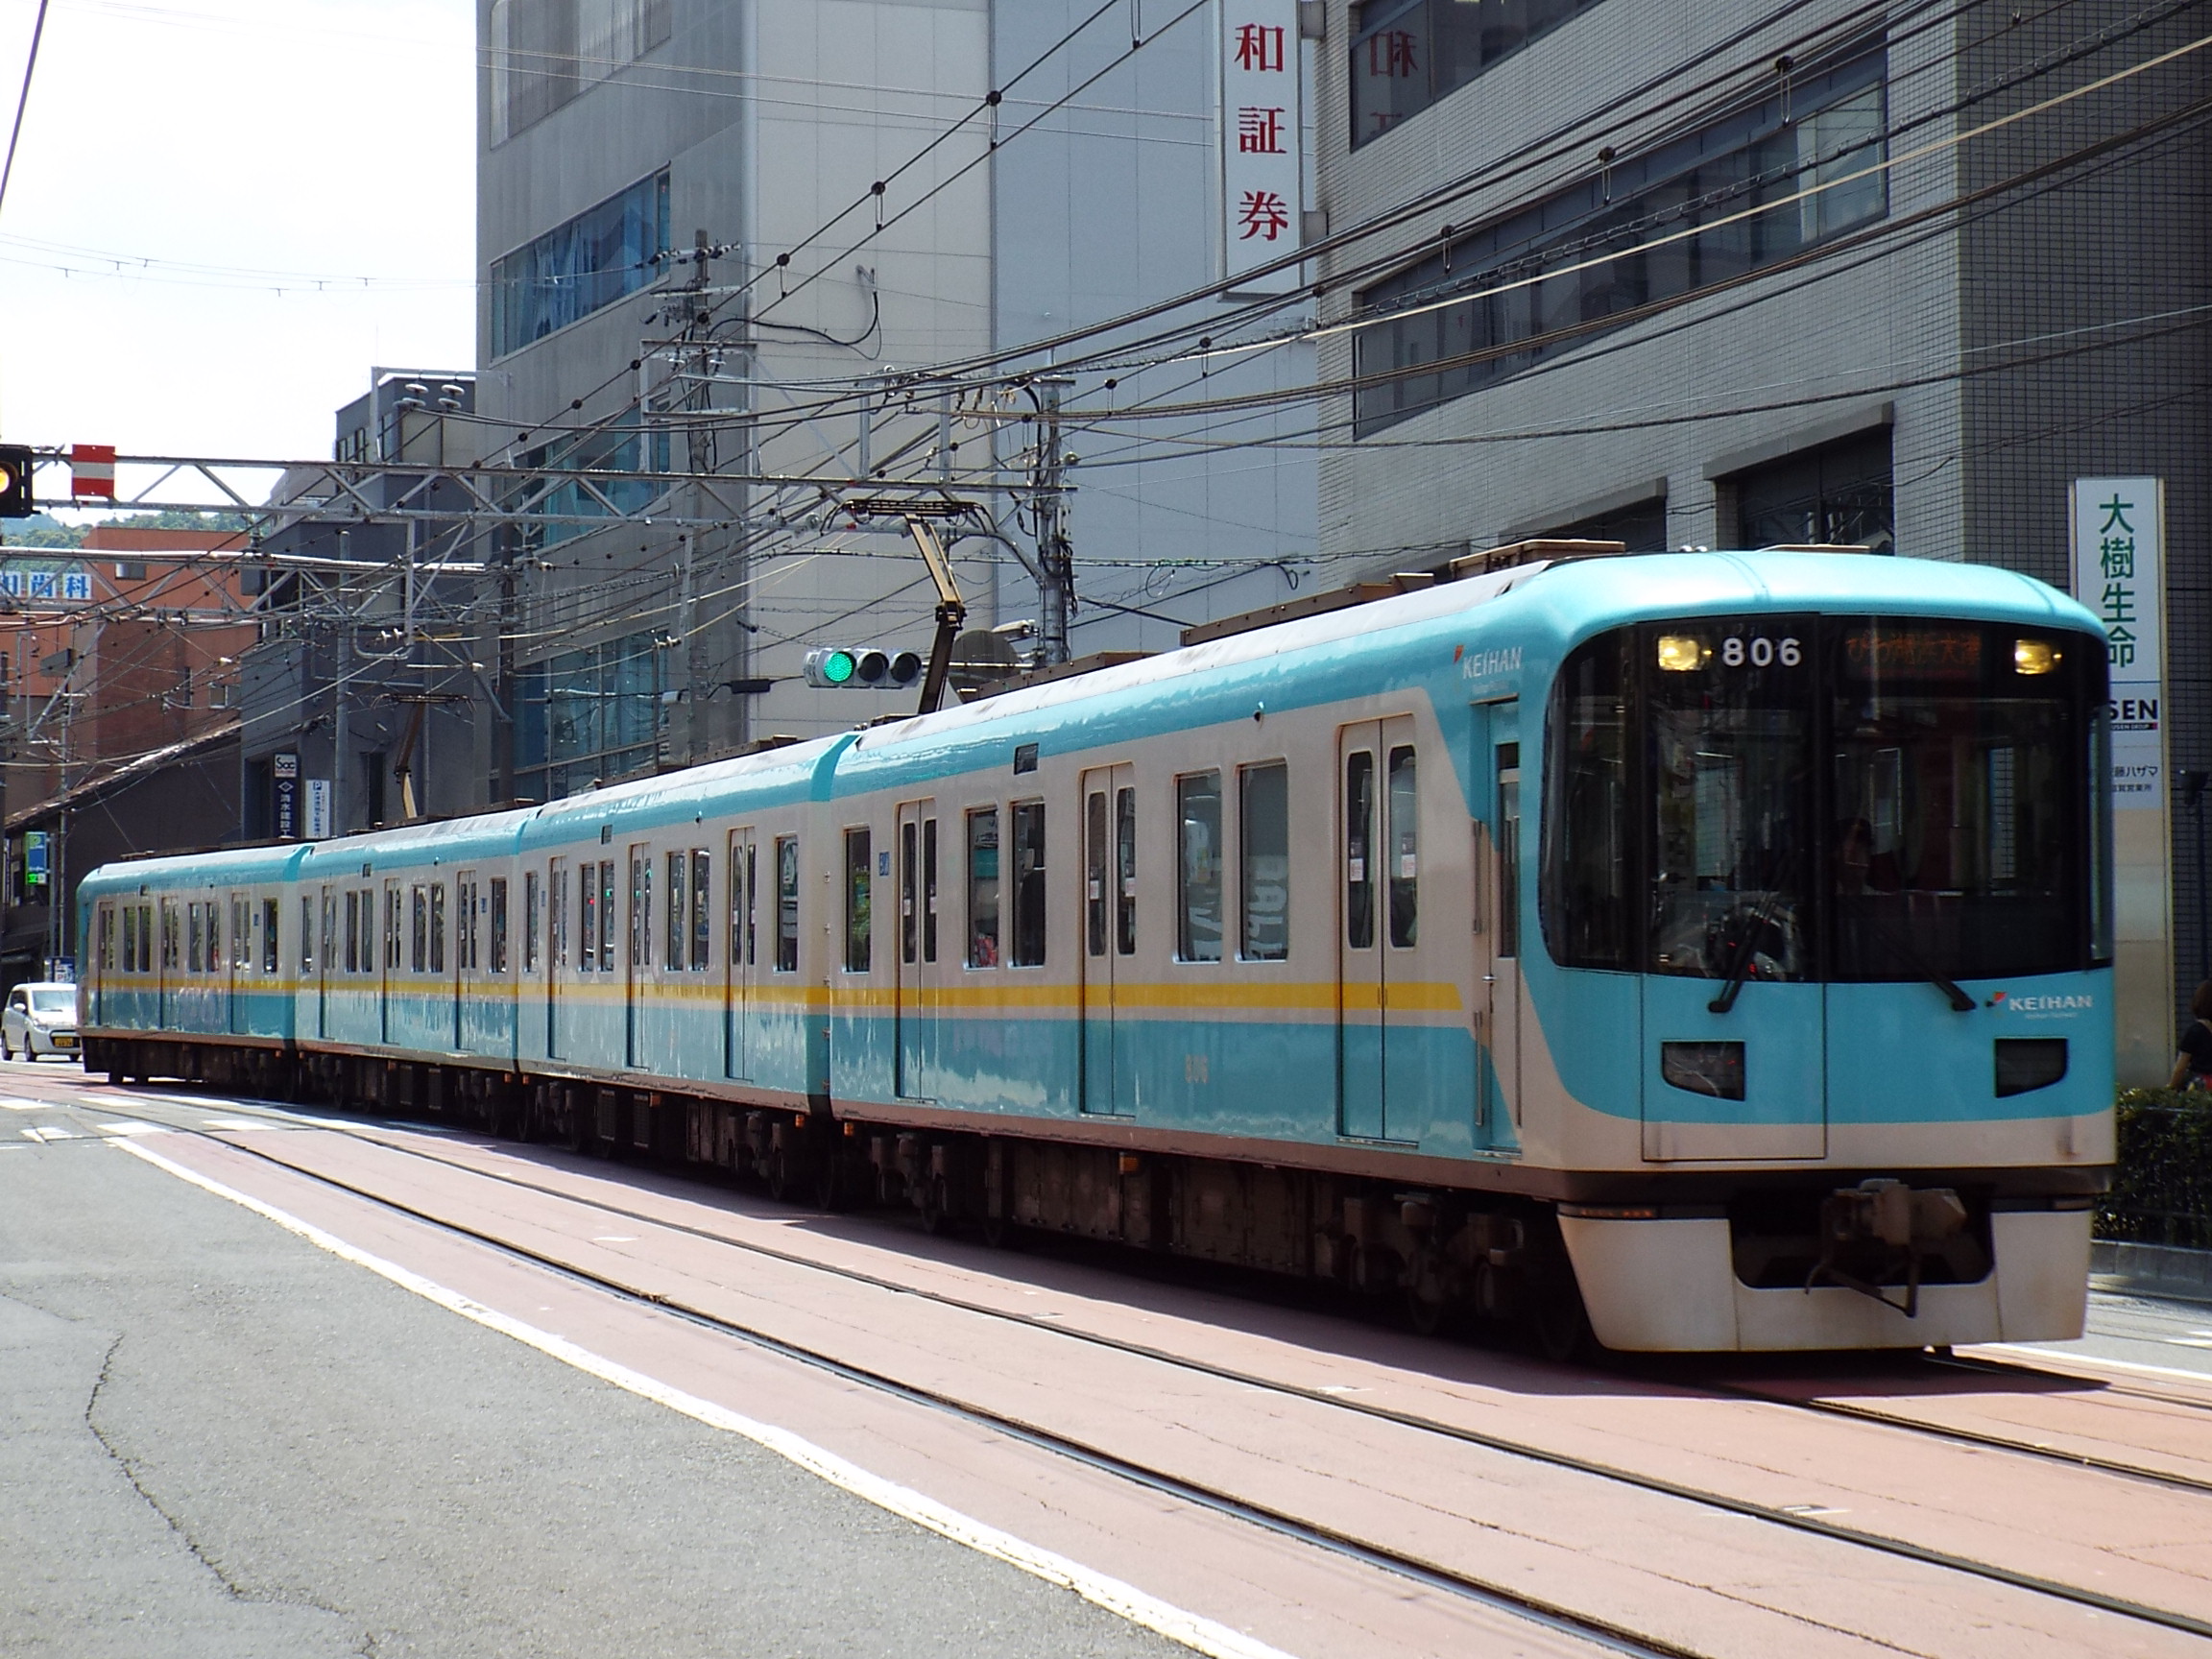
x,y
859,902
786,904
1583,901
1029,890
983,888
1198,867
1263,832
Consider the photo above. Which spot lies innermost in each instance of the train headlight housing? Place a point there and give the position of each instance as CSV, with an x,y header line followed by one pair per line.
x,y
1681,653
2035,656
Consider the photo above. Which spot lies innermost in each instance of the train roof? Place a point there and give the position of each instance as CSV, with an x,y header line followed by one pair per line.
x,y
1543,610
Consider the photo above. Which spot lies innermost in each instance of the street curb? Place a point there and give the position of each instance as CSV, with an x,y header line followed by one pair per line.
x,y
2155,1269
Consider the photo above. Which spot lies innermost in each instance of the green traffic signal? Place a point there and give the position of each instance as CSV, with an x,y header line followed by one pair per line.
x,y
837,666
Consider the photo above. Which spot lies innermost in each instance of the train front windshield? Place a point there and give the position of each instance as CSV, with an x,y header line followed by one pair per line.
x,y
1844,799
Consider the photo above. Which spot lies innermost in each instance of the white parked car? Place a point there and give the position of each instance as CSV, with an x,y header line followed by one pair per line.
x,y
39,1018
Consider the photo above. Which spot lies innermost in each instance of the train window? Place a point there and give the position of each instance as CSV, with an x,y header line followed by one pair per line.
x,y
1360,850
169,936
1199,879
307,935
437,926
674,933
1029,890
465,923
329,929
640,908
1126,871
419,930
607,915
1583,901
983,888
786,904
859,893
192,948
930,890
702,911
130,940
1508,762
352,932
1098,862
241,933
588,891
1263,831
107,938
391,924
498,920
1405,848
268,914
909,880
1729,744
530,922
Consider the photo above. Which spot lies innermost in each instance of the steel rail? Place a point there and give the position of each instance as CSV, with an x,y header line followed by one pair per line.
x,y
1658,1485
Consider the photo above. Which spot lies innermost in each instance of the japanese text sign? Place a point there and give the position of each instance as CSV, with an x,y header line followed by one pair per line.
x,y
2119,532
1261,153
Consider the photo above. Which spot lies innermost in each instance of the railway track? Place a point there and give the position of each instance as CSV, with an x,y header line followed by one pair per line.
x,y
1431,1575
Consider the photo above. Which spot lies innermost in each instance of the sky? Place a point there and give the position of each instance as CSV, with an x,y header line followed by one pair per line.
x,y
199,191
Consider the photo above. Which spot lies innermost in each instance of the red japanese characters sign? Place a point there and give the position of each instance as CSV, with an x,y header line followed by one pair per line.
x,y
1260,141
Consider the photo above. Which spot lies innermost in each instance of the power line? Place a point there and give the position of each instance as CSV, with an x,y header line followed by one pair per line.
x,y
23,99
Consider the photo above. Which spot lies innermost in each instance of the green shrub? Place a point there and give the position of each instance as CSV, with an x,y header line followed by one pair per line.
x,y
2162,1186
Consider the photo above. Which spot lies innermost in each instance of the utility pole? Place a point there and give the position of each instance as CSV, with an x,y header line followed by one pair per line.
x,y
343,659
698,450
1055,557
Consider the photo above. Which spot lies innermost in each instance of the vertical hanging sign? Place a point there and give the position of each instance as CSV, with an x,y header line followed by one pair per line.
x,y
1262,165
2119,536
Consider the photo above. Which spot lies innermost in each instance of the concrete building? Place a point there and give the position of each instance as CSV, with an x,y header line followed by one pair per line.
x,y
1736,274
679,207
362,691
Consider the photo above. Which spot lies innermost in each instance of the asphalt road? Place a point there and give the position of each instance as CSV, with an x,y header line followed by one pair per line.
x,y
219,1440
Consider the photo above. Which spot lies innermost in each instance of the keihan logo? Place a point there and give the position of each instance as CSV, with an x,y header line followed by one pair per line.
x,y
2041,1004
1482,664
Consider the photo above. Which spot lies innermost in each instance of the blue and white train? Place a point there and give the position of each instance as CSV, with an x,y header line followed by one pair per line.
x,y
1712,947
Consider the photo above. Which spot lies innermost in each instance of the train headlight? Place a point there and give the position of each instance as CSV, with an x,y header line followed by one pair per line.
x,y
2035,656
1681,653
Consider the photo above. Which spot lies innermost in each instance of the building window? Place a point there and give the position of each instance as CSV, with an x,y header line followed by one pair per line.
x,y
1474,315
1406,54
1640,527
547,52
587,717
1838,495
1199,875
601,255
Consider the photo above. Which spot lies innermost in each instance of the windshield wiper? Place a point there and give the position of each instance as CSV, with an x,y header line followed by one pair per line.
x,y
1960,1002
1741,970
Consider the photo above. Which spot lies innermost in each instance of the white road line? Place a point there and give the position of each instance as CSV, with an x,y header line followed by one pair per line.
x,y
2028,1351
130,1128
232,1123
1199,1634
18,1103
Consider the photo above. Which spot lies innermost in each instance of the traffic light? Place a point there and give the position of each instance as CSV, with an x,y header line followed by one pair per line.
x,y
15,500
861,669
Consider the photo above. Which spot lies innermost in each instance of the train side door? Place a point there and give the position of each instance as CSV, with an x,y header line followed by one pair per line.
x,y
390,959
915,958
1379,875
557,955
1109,936
1499,929
640,953
742,959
